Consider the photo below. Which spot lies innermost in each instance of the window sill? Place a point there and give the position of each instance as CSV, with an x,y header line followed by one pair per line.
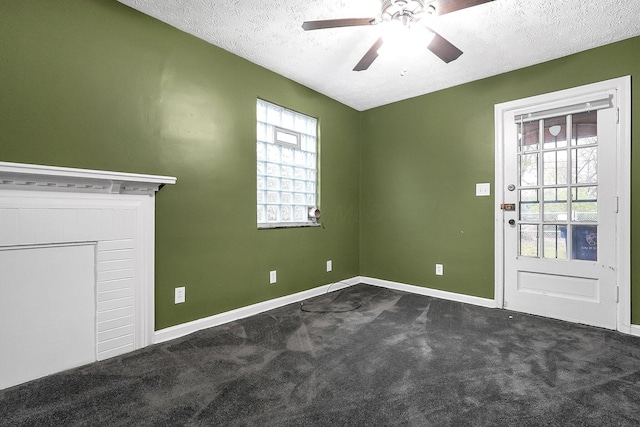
x,y
267,226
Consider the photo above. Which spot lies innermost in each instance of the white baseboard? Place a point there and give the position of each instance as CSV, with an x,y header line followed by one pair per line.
x,y
633,330
436,293
183,329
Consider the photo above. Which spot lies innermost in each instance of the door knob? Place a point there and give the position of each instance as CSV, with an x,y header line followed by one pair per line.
x,y
512,222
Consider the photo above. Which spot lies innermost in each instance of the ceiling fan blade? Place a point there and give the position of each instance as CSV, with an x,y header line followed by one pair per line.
x,y
447,6
369,57
336,23
443,48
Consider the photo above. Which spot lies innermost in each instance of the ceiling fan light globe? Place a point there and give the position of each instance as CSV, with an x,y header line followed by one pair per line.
x,y
408,10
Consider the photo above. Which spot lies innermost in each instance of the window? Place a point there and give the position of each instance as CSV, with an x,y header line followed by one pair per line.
x,y
287,167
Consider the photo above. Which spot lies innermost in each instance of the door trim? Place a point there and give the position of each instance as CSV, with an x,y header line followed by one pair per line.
x,y
623,181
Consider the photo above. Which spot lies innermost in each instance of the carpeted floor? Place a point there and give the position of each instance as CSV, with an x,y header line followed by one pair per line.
x,y
394,359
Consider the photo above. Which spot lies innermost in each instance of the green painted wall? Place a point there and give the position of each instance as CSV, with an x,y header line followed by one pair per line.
x,y
94,84
422,157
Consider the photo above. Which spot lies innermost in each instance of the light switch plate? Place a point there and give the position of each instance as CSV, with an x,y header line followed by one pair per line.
x,y
180,295
329,265
439,269
272,277
483,189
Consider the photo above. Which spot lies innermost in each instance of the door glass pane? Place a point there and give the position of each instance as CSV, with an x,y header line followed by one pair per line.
x,y
584,204
585,242
529,205
528,134
555,204
555,132
555,167
528,170
585,128
528,240
564,150
555,241
584,165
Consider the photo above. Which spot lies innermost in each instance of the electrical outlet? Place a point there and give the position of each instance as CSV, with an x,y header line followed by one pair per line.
x,y
180,295
272,277
329,265
439,270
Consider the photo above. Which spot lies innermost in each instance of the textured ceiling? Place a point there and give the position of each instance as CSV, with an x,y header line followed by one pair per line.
x,y
495,37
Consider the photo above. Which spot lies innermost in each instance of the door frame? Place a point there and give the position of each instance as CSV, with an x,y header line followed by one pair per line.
x,y
623,182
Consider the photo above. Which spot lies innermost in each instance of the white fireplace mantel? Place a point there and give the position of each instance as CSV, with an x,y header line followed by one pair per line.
x,y
20,176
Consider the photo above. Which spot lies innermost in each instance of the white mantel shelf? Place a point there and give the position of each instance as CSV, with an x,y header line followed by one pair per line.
x,y
20,176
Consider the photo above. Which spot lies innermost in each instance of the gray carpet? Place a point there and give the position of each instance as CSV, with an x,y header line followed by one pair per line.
x,y
394,359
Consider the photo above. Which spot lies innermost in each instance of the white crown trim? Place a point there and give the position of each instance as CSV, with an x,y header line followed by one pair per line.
x,y
20,176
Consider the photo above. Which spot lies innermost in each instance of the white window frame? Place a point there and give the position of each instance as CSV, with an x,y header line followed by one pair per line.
x,y
286,168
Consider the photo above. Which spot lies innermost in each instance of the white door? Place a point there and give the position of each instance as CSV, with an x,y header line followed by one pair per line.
x,y
560,208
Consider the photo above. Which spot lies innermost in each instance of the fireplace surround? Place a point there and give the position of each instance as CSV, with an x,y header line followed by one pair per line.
x,y
106,217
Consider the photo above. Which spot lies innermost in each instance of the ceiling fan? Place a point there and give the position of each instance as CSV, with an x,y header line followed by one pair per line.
x,y
404,12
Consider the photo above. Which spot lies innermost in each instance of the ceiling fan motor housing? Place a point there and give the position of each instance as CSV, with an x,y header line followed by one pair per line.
x,y
406,11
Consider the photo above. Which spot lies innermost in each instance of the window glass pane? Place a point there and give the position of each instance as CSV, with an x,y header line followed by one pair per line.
x,y
311,160
311,187
286,150
273,197
286,198
585,242
529,136
273,183
286,138
287,120
273,114
309,143
300,124
584,165
300,213
311,175
261,151
273,213
529,205
261,112
555,241
272,169
555,132
286,171
584,204
287,155
555,167
528,170
273,153
262,132
555,204
286,213
300,173
528,240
